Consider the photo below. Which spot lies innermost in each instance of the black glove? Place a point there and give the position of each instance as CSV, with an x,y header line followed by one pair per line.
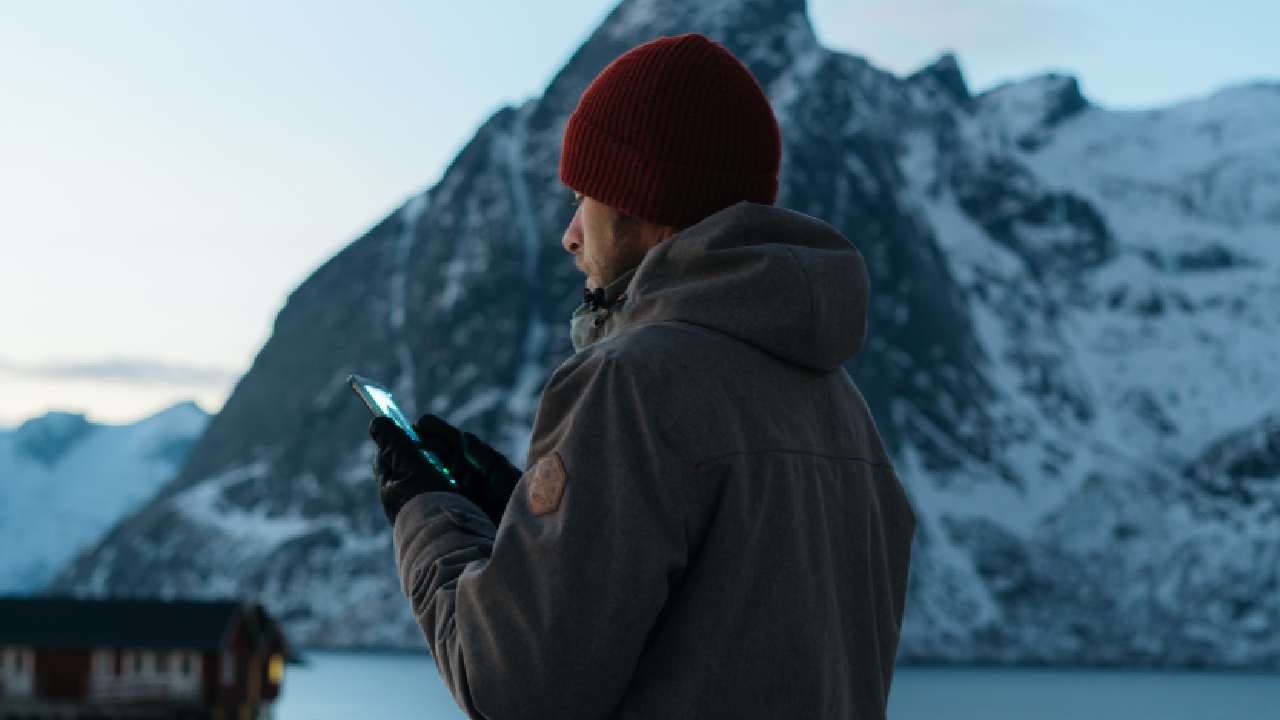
x,y
484,475
399,468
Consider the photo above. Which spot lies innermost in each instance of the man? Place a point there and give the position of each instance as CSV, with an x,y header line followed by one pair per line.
x,y
709,525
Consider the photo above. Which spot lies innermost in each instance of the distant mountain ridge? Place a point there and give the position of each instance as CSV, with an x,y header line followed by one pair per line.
x,y
64,481
1072,355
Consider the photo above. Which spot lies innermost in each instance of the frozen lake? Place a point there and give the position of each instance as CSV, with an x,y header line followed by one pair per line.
x,y
390,686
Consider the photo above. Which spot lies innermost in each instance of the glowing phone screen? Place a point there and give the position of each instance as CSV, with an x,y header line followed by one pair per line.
x,y
383,403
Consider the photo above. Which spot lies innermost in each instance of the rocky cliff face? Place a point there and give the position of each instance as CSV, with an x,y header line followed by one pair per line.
x,y
1072,355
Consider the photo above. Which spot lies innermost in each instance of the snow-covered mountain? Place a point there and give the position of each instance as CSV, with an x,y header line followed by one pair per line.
x,y
64,481
1073,355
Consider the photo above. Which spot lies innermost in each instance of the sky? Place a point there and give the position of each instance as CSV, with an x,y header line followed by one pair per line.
x,y
170,171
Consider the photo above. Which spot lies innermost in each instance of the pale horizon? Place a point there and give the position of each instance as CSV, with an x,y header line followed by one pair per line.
x,y
173,173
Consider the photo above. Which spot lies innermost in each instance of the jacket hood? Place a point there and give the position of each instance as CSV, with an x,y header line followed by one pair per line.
x,y
778,279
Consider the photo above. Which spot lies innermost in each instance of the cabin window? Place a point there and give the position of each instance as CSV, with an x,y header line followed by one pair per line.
x,y
228,669
137,663
102,662
17,661
275,669
162,663
184,664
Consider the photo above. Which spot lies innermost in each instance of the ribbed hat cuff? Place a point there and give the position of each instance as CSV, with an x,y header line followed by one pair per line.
x,y
607,170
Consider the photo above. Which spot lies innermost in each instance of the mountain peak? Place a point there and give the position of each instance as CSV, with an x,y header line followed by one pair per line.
x,y
1027,108
182,407
50,436
946,75
636,21
1055,95
184,416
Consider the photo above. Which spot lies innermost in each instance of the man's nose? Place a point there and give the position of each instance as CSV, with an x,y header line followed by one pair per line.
x,y
572,240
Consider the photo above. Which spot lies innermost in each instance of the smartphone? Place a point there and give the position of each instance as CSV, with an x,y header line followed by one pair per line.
x,y
378,399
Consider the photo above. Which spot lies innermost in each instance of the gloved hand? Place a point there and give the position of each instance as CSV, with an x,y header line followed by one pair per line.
x,y
399,468
484,475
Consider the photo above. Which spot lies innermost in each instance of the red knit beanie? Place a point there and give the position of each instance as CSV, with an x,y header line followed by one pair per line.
x,y
672,131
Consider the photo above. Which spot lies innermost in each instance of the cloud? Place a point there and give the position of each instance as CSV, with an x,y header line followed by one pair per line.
x,y
125,371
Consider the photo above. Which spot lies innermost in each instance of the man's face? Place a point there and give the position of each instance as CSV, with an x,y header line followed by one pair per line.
x,y
604,243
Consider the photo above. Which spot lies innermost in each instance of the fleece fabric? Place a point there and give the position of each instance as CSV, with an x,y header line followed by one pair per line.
x,y
709,525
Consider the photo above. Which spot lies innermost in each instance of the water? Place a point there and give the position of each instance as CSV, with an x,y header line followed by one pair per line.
x,y
390,686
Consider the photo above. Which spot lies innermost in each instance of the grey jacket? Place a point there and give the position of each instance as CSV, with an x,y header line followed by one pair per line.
x,y
709,525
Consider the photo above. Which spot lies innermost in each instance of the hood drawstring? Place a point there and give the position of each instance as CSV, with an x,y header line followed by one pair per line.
x,y
596,303
595,299
587,321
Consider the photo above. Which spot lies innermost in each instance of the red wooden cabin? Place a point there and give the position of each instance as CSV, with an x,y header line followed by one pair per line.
x,y
81,658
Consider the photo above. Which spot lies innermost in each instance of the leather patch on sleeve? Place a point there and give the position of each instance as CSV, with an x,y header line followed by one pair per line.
x,y
546,484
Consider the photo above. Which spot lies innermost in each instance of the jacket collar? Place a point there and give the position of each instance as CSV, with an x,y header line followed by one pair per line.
x,y
605,297
599,313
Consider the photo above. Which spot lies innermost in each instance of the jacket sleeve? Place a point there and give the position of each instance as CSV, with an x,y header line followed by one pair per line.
x,y
546,616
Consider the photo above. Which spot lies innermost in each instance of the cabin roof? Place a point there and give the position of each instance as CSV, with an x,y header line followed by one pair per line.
x,y
81,622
